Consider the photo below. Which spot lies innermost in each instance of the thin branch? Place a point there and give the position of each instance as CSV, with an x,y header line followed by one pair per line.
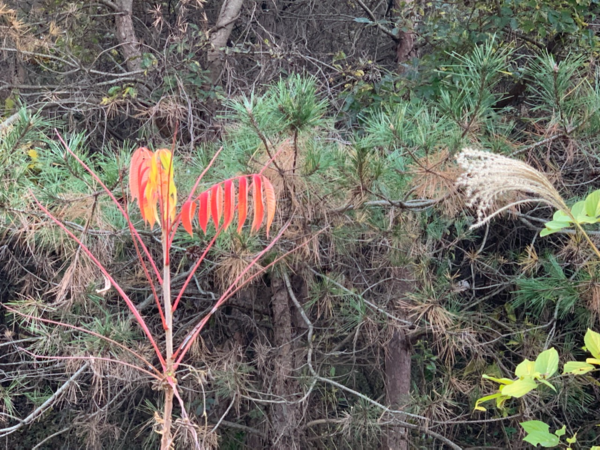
x,y
376,22
46,405
83,330
415,205
111,5
53,435
140,320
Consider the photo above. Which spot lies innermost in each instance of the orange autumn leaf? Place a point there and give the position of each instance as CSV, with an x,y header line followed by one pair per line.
x,y
229,207
242,202
138,172
203,211
151,184
258,203
216,204
187,214
270,202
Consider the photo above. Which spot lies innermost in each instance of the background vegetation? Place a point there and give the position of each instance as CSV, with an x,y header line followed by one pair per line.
x,y
376,332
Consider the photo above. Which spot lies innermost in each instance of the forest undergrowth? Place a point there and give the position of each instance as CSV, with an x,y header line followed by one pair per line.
x,y
381,282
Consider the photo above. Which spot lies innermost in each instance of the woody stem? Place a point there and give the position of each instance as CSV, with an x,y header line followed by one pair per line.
x,y
166,291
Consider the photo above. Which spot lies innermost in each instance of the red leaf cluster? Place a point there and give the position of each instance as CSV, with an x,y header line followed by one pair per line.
x,y
218,203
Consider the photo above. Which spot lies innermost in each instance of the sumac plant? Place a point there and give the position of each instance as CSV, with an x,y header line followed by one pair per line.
x,y
152,186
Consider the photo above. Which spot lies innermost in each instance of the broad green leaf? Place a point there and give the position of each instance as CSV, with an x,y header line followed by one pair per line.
x,y
594,361
572,440
546,363
578,209
586,219
519,388
561,216
561,432
498,380
580,213
577,368
555,225
559,221
538,433
547,231
592,343
592,204
525,369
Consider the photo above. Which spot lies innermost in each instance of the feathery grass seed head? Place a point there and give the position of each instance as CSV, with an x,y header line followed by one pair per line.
x,y
486,177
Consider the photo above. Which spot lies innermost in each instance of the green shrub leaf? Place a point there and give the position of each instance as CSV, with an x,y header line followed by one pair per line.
x,y
592,343
577,368
592,204
538,433
546,363
519,388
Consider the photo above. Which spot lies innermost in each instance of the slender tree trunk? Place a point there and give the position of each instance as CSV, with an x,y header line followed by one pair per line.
x,y
398,368
406,39
130,46
285,416
230,11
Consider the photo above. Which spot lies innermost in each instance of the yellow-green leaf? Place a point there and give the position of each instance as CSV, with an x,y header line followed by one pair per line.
x,y
485,399
538,433
519,388
577,367
592,204
525,369
592,343
498,380
546,363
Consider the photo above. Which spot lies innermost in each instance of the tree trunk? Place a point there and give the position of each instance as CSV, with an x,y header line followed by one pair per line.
x,y
398,369
227,17
130,46
406,39
285,416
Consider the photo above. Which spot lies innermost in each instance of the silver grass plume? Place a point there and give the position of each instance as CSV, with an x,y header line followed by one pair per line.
x,y
486,176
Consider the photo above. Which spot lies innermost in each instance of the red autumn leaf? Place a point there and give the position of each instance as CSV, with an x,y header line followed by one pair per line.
x,y
229,206
187,214
270,201
139,161
216,203
258,203
242,202
203,211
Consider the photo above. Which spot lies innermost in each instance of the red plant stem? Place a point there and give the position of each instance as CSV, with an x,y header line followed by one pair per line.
x,y
233,288
105,272
90,332
132,230
116,202
195,268
99,358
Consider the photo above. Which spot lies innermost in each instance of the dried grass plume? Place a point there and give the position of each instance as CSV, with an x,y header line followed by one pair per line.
x,y
487,177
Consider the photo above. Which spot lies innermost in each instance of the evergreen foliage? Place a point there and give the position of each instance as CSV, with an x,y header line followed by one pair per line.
x,y
363,160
